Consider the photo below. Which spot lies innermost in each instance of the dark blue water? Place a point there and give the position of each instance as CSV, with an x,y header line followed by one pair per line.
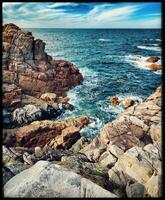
x,y
107,60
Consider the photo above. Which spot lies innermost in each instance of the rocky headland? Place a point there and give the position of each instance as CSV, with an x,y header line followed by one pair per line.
x,y
45,156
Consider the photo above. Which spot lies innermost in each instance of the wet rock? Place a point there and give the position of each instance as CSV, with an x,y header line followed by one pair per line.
x,y
114,101
127,103
68,106
153,59
50,111
154,67
63,100
39,179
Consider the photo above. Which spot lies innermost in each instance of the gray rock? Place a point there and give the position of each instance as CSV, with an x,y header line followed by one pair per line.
x,y
27,114
49,180
135,190
30,113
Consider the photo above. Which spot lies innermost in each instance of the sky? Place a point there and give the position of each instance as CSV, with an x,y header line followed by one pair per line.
x,y
83,15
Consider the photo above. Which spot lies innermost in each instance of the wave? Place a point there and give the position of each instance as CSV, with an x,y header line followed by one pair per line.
x,y
151,39
156,45
104,40
149,48
140,61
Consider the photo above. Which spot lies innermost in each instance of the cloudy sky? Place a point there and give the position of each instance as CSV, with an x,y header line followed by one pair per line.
x,y
83,15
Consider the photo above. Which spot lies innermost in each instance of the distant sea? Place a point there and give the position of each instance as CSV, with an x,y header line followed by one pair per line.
x,y
107,58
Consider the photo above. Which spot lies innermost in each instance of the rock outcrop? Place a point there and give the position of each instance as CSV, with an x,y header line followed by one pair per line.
x,y
135,126
60,182
130,146
26,65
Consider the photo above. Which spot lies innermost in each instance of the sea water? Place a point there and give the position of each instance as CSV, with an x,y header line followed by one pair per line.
x,y
108,60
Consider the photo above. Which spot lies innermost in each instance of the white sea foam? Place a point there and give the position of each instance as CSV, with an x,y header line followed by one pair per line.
x,y
151,48
156,45
104,40
119,108
140,61
151,39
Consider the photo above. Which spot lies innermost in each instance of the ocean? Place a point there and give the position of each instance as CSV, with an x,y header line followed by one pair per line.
x,y
108,60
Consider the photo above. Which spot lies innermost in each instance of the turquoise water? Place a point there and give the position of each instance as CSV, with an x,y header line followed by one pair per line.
x,y
107,60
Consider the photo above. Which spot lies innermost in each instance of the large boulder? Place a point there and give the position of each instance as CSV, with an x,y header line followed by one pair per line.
x,y
49,180
58,134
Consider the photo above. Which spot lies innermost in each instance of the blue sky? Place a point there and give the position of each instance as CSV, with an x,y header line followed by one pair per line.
x,y
83,15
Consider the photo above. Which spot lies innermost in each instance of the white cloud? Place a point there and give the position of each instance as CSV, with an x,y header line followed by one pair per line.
x,y
99,8
4,4
116,13
46,15
56,5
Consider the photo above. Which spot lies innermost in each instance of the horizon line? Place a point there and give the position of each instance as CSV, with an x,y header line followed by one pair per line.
x,y
85,28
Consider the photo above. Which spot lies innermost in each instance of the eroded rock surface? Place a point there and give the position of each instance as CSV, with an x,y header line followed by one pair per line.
x,y
26,65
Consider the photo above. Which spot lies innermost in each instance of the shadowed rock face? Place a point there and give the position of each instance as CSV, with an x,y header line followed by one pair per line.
x,y
26,64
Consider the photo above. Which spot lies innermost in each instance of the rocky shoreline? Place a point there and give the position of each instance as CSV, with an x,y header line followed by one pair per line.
x,y
45,156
